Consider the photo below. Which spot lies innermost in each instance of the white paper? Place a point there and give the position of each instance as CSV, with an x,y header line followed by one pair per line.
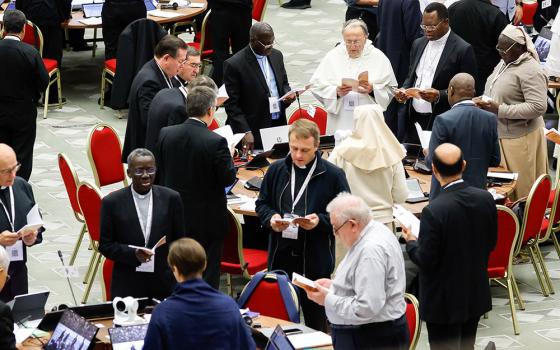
x,y
249,205
147,266
423,135
92,21
196,5
546,3
22,333
310,340
34,216
414,189
297,278
504,175
222,95
1,17
231,138
163,14
407,219
299,90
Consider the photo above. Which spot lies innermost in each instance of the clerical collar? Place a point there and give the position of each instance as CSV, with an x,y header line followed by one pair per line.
x,y
304,166
452,183
12,37
140,196
3,187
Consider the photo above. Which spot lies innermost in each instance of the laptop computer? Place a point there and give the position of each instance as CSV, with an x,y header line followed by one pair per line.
x,y
128,337
229,194
27,308
92,10
271,136
279,340
149,5
72,332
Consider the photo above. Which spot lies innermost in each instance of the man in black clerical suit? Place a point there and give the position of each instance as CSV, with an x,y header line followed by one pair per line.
x,y
458,230
157,74
7,337
140,215
27,79
197,163
255,78
16,200
435,58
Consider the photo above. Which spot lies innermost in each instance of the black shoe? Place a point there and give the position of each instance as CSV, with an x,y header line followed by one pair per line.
x,y
84,47
296,5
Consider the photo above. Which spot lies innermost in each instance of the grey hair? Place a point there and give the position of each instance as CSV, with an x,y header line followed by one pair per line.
x,y
192,52
202,80
139,152
355,23
199,100
4,259
346,206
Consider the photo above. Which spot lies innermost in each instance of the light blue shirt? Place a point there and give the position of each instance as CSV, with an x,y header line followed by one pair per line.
x,y
506,6
269,77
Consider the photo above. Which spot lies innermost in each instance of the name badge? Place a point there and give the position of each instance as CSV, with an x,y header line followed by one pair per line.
x,y
350,101
291,232
274,105
147,266
15,251
546,3
311,111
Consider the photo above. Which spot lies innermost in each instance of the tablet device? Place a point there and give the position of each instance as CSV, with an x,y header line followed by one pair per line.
x,y
29,307
72,332
128,337
92,10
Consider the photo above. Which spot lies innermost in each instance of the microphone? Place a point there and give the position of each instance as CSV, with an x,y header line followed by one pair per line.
x,y
67,278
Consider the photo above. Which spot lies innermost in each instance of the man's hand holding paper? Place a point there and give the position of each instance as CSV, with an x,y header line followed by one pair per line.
x,y
430,94
8,238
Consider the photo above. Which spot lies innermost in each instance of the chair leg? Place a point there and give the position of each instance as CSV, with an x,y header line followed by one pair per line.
x,y
556,244
90,266
94,42
512,305
102,96
534,261
546,276
59,89
91,279
516,293
78,244
46,100
229,286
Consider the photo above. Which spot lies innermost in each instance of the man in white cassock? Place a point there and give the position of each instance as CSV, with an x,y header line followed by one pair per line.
x,y
347,61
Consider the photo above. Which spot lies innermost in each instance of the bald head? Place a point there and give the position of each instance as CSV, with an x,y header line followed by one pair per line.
x,y
8,165
461,87
448,161
261,38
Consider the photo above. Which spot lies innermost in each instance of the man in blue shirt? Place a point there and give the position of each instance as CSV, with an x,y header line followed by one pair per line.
x,y
195,316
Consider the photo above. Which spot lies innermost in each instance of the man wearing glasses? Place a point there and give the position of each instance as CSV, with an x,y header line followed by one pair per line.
x,y
435,58
157,74
16,200
133,220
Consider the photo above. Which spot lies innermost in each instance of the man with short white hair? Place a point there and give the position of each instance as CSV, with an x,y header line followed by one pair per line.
x,y
365,301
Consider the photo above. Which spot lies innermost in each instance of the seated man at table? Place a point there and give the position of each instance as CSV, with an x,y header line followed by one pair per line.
x,y
7,338
195,316
472,129
365,301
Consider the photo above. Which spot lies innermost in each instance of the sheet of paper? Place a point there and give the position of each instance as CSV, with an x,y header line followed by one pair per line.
x,y
249,205
423,135
502,175
299,90
407,219
222,95
196,5
163,14
22,333
310,340
231,138
351,82
92,21
303,282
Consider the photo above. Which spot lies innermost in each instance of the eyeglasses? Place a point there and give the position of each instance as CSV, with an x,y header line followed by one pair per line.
x,y
335,231
430,28
141,171
503,52
353,42
195,65
181,62
266,47
10,170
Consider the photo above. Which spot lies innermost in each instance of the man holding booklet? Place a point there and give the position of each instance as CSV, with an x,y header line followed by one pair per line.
x,y
365,301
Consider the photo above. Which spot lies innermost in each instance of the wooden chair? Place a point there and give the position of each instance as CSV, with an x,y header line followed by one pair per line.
x,y
320,117
413,320
104,153
107,76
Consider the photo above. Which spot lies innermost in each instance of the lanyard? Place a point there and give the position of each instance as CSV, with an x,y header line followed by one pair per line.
x,y
11,220
500,72
146,230
167,80
303,186
183,90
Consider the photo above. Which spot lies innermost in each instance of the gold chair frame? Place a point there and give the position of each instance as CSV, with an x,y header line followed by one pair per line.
x,y
105,74
412,299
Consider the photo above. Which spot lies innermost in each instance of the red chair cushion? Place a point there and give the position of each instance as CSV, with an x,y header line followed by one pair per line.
x,y
111,65
499,257
551,198
267,300
256,261
205,53
213,125
50,65
496,272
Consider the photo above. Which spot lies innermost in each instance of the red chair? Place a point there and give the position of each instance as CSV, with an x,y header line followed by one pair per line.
x,y
531,227
413,320
267,300
107,76
107,276
259,8
203,41
71,181
500,261
551,227
104,153
89,199
237,260
213,124
34,37
320,117
529,10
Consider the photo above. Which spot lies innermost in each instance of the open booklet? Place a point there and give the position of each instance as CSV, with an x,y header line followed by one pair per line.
x,y
304,282
552,135
355,83
34,222
231,138
407,219
300,91
159,243
222,95
423,135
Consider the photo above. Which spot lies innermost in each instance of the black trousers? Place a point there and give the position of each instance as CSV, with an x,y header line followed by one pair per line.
x,y
452,336
425,120
390,335
313,313
116,15
368,17
17,284
228,25
18,128
214,247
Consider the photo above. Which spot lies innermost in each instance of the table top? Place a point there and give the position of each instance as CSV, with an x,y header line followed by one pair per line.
x,y
271,322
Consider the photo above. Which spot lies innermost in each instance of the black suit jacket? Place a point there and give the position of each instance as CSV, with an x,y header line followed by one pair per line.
x,y
168,107
247,107
475,132
457,233
196,162
7,338
45,13
120,228
147,83
457,57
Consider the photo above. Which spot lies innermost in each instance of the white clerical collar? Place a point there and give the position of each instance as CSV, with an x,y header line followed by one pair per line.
x,y
198,120
138,195
3,187
443,39
464,102
452,183
12,37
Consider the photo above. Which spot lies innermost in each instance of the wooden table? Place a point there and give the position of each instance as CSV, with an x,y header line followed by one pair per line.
x,y
271,322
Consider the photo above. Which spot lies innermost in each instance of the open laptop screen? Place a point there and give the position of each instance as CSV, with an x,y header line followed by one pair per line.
x,y
129,337
279,340
72,332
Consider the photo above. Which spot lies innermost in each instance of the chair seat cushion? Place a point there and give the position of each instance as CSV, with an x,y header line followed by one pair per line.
x,y
50,65
256,261
496,272
205,53
111,65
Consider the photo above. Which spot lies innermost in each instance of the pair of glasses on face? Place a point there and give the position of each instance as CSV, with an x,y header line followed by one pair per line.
x,y
335,231
353,42
266,47
194,65
10,170
430,28
503,52
141,171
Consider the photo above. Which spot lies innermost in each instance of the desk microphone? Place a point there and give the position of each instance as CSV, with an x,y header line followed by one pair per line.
x,y
67,278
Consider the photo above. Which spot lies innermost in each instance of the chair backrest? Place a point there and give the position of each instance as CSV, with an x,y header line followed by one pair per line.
x,y
320,117
413,320
535,209
107,275
89,199
554,217
104,153
259,8
500,259
71,181
214,124
529,10
233,243
266,298
33,36
205,36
